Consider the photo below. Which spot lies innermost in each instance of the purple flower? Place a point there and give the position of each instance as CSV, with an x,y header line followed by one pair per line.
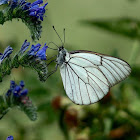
x,y
25,6
17,90
24,92
22,84
34,49
36,10
6,53
37,2
42,53
10,138
33,9
24,46
12,85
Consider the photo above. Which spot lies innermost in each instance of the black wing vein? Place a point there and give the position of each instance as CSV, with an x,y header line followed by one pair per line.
x,y
96,83
90,72
113,69
74,83
70,82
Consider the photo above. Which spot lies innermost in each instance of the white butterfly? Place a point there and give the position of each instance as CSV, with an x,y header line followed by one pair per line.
x,y
87,76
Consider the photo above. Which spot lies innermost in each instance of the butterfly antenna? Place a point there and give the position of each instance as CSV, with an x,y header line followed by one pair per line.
x,y
64,35
53,44
52,48
57,34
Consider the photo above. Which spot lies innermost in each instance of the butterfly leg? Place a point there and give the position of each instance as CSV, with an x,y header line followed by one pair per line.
x,y
51,62
50,73
52,57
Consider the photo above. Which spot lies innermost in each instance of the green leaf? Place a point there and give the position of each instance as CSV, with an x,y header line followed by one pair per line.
x,y
127,27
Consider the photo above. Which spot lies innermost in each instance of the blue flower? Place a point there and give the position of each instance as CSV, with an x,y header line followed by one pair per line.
x,y
33,9
37,11
37,2
24,92
24,46
25,5
6,53
17,96
42,53
12,85
10,138
17,90
34,49
22,84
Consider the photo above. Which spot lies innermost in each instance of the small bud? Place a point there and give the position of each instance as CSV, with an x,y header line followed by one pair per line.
x,y
71,118
56,102
74,114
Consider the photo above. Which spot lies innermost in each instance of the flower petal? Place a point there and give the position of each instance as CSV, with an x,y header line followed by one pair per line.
x,y
42,53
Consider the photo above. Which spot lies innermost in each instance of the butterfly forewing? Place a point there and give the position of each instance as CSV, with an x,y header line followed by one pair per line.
x,y
87,76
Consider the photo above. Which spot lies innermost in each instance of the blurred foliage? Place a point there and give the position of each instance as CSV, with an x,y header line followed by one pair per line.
x,y
123,26
115,117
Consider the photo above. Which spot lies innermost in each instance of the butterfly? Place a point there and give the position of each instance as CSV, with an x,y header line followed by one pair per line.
x,y
87,76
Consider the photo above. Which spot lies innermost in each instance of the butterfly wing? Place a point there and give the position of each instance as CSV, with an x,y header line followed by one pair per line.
x,y
87,76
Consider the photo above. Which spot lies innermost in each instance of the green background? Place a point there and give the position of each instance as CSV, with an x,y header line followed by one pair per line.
x,y
67,14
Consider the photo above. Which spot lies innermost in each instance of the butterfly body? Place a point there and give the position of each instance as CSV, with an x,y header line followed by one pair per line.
x,y
61,57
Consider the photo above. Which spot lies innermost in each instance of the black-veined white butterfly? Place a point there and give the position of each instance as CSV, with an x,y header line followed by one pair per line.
x,y
87,76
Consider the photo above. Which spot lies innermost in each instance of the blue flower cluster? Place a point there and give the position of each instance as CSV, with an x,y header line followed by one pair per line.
x,y
17,90
10,138
17,95
35,9
6,53
35,50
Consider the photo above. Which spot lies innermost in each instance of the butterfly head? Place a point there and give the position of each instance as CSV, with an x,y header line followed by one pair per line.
x,y
60,48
